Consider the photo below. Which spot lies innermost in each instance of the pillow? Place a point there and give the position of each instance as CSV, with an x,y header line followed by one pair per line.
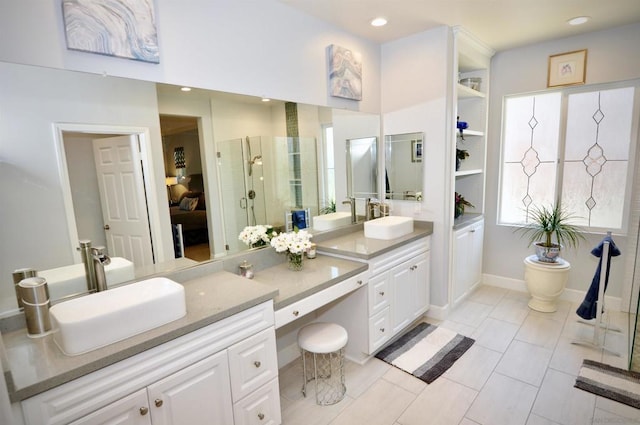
x,y
188,204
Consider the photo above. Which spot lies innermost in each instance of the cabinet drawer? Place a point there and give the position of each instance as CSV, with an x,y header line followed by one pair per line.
x,y
128,410
261,407
379,329
252,363
378,293
298,309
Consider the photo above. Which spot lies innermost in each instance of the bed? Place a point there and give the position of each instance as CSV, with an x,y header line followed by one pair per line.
x,y
191,213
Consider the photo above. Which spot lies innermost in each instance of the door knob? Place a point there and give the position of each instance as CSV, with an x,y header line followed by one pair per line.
x,y
257,363
144,410
158,402
106,227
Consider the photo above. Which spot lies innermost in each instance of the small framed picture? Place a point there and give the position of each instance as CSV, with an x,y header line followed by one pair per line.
x,y
416,151
566,69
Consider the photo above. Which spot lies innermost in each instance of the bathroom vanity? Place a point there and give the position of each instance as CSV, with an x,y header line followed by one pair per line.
x,y
219,363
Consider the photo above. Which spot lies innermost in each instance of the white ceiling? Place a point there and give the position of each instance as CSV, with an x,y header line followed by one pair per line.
x,y
502,24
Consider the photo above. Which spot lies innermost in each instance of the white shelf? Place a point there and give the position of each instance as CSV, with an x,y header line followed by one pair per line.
x,y
470,133
468,172
466,92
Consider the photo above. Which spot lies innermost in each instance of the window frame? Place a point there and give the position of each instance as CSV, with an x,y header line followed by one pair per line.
x,y
633,160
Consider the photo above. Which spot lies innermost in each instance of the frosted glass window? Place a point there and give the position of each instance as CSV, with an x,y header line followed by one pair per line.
x,y
586,166
529,156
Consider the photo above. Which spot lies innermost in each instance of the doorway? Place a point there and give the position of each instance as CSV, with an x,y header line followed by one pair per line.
x,y
186,186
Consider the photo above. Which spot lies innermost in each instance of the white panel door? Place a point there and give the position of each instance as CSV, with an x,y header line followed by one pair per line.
x,y
130,410
124,204
197,395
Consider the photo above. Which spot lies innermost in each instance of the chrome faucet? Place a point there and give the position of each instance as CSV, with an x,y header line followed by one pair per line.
x,y
372,209
352,202
94,259
100,259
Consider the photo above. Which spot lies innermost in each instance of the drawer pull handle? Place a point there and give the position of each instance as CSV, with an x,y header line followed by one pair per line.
x,y
261,416
257,364
382,330
296,313
381,293
144,410
158,402
359,282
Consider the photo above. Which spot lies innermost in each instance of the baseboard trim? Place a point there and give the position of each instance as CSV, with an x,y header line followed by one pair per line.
x,y
437,312
571,295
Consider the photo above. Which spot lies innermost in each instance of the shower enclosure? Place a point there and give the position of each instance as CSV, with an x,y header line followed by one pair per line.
x,y
263,177
242,186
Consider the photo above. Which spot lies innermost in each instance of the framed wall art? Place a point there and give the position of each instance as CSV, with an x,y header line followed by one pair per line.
x,y
416,151
345,73
567,69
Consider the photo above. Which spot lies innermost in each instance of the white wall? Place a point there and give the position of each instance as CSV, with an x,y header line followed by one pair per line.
x,y
613,55
262,48
416,74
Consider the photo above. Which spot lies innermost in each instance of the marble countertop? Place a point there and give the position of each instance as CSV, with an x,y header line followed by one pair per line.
x,y
356,245
36,364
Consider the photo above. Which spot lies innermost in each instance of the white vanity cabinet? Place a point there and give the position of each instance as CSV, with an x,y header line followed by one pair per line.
x,y
467,266
398,290
203,377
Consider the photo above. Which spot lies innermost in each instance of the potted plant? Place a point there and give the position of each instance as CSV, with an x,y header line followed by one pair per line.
x,y
461,155
549,230
460,204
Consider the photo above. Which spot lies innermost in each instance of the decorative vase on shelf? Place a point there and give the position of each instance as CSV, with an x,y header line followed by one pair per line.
x,y
294,261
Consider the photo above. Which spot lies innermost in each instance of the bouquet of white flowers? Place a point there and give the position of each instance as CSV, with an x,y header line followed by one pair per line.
x,y
294,244
255,236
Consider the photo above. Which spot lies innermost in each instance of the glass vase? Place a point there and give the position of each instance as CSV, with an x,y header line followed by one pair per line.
x,y
294,261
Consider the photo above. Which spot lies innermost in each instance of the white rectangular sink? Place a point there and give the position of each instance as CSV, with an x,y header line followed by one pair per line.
x,y
331,221
390,227
69,280
93,321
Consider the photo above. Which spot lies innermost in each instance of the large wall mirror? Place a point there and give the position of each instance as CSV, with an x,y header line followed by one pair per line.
x,y
243,160
403,166
362,167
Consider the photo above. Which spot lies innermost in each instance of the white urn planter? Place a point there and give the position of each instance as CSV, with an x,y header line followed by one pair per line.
x,y
545,282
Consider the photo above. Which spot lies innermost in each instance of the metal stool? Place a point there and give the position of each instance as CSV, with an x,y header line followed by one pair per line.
x,y
323,345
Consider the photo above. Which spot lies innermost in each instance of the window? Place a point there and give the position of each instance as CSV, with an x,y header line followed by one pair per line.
x,y
328,173
572,145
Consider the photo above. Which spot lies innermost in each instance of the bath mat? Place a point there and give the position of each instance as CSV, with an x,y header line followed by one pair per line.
x,y
426,351
611,382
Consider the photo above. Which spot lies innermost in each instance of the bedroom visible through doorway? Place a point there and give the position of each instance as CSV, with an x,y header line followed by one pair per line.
x,y
186,187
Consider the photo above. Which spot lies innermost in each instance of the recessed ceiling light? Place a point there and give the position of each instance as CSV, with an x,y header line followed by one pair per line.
x,y
185,88
578,20
379,22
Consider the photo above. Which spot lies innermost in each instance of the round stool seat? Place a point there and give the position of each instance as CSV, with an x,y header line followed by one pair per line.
x,y
322,337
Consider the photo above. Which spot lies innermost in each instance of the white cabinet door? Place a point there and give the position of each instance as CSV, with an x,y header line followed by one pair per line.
x,y
252,363
130,410
198,394
467,267
421,271
402,283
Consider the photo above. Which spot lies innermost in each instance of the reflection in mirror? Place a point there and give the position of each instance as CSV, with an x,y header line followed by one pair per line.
x,y
36,99
403,166
362,168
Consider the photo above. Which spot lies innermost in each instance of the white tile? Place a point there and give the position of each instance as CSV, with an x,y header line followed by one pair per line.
x,y
358,378
495,334
568,357
525,362
442,402
470,313
381,404
559,401
540,331
503,401
539,420
290,380
604,417
306,411
467,421
404,380
474,367
460,328
490,295
564,308
511,309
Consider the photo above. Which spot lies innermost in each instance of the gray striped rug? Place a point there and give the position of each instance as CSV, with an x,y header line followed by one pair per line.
x,y
611,382
426,351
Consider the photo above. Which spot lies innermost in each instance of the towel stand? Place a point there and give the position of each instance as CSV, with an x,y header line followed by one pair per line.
x,y
598,325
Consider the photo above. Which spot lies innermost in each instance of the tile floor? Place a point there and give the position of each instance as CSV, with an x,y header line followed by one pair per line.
x,y
521,370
